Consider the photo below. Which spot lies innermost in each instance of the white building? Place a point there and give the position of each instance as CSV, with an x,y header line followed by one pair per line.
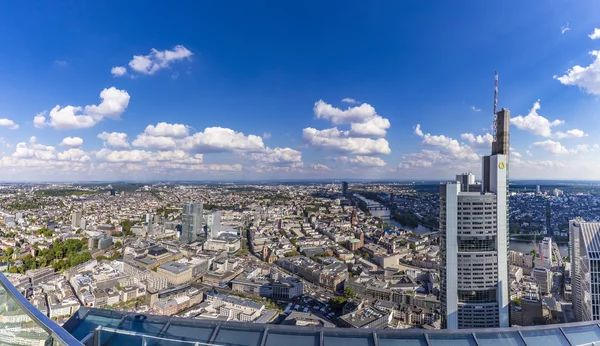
x,y
213,225
543,278
474,227
546,251
585,268
76,219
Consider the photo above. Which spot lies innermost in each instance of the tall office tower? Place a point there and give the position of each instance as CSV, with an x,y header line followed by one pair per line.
x,y
467,182
344,188
585,268
76,219
538,190
191,222
546,251
213,225
474,233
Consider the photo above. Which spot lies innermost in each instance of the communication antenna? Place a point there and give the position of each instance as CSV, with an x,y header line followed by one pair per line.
x,y
495,105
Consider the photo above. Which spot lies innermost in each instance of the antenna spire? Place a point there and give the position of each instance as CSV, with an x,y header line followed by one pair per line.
x,y
495,125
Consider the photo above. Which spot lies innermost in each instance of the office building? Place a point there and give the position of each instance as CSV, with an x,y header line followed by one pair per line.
x,y
100,242
175,272
546,252
474,229
191,222
538,190
344,188
543,278
76,219
585,269
467,182
213,225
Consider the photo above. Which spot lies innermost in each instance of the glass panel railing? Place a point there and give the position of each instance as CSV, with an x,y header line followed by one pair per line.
x,y
118,337
22,324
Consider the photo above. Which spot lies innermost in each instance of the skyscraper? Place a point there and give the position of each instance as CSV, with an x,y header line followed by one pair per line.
x,y
585,268
76,219
474,233
213,225
344,188
191,222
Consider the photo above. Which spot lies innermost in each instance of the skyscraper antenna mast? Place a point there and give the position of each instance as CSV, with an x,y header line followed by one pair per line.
x,y
495,106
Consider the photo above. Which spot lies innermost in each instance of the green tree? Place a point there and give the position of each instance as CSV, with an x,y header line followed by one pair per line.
x,y
9,251
348,292
118,244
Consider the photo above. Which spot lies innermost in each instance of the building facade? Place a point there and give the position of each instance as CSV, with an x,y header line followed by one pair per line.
x,y
191,222
585,268
474,252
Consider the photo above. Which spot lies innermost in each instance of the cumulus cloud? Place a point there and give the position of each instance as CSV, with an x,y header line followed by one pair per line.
x,y
363,119
586,78
552,147
155,142
349,100
219,139
595,35
118,71
575,133
117,140
74,154
32,149
157,60
278,156
114,102
535,123
447,145
164,129
340,141
8,123
479,141
320,168
73,142
364,161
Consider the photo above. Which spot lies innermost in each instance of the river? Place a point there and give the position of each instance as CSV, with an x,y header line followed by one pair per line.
x,y
527,246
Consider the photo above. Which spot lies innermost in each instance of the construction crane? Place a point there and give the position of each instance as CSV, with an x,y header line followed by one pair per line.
x,y
495,105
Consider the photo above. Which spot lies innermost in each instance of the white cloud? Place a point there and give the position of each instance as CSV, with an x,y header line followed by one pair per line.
x,y
74,154
278,156
116,140
363,119
367,161
586,78
418,131
349,100
74,142
8,123
114,102
340,141
164,129
39,120
157,60
32,149
219,139
595,35
574,133
479,141
266,135
320,168
447,145
475,109
535,123
159,142
565,28
551,147
118,71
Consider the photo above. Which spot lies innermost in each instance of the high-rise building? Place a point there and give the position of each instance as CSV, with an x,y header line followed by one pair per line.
x,y
344,188
546,251
76,219
543,278
538,190
213,225
474,233
467,182
585,269
191,222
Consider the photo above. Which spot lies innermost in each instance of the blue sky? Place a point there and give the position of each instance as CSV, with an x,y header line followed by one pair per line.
x,y
255,90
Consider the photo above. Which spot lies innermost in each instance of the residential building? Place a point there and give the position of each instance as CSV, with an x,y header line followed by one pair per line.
x,y
76,219
474,235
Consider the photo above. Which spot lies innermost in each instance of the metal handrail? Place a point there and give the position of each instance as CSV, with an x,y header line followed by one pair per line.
x,y
53,329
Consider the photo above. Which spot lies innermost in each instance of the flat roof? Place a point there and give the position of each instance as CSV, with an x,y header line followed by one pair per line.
x,y
128,328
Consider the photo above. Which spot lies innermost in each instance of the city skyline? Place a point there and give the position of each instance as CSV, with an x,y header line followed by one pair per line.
x,y
251,93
